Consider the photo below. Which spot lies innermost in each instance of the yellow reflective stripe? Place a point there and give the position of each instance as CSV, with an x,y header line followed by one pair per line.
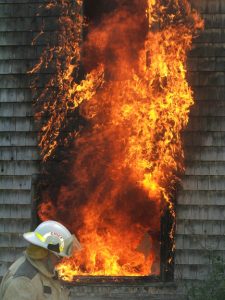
x,y
40,237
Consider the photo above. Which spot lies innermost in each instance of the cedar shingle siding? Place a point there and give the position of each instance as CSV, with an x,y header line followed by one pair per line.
x,y
18,138
201,200
200,230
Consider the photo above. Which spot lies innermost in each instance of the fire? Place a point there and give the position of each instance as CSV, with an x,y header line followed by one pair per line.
x,y
125,162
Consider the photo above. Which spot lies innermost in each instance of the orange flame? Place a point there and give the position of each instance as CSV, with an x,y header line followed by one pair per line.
x,y
129,158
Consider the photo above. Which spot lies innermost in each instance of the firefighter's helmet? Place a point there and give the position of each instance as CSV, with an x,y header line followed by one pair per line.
x,y
55,237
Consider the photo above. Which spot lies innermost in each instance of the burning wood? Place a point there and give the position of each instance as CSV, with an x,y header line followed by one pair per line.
x,y
124,164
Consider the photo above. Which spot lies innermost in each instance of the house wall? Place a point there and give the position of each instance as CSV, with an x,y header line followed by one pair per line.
x,y
201,206
201,200
19,159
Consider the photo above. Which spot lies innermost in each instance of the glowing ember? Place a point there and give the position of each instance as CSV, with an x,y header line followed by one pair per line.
x,y
125,162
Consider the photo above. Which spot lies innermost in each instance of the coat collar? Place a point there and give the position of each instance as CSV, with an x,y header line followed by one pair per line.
x,y
41,266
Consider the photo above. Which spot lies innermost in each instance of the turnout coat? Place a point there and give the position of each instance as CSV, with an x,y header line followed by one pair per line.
x,y
29,279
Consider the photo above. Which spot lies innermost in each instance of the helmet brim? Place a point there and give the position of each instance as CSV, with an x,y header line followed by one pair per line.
x,y
31,238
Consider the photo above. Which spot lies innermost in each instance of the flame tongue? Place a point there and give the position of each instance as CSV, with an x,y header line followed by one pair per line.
x,y
127,160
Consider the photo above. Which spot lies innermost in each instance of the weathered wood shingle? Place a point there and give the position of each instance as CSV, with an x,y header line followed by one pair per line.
x,y
18,134
200,228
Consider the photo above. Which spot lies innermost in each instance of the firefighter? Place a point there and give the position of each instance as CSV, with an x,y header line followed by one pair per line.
x,y
33,276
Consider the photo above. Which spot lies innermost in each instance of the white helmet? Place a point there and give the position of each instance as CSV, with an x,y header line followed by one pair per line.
x,y
55,237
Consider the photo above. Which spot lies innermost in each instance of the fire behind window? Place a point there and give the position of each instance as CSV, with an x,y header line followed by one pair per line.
x,y
112,115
